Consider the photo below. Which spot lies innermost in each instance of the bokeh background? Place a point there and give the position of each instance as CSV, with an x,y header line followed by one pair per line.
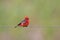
x,y
44,19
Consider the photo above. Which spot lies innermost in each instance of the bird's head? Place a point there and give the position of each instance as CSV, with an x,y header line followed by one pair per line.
x,y
26,18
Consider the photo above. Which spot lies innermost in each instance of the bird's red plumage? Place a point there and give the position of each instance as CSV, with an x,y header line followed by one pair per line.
x,y
25,22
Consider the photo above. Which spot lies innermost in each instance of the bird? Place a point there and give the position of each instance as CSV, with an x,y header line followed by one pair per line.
x,y
24,23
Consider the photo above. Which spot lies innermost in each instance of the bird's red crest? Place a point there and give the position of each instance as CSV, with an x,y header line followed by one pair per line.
x,y
26,17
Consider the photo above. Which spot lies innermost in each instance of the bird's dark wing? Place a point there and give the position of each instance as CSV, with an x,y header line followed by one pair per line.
x,y
21,22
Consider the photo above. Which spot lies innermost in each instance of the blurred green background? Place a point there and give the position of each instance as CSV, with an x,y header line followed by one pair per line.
x,y
44,15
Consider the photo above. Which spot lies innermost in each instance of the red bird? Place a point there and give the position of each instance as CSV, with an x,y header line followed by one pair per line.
x,y
24,23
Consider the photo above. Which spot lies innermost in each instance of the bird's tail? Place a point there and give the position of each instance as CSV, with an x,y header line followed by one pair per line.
x,y
15,26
